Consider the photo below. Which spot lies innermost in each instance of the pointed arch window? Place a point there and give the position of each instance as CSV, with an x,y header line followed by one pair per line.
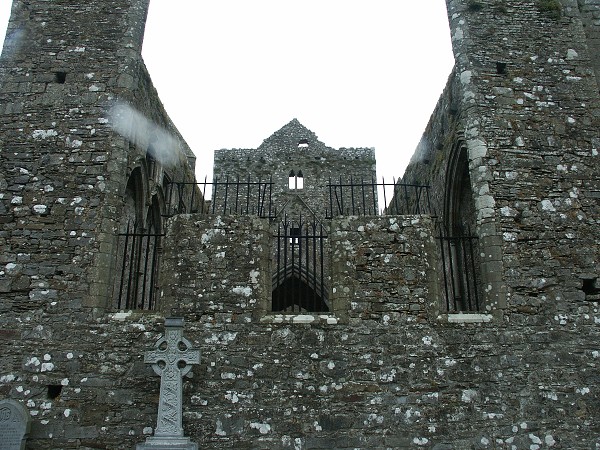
x,y
459,243
138,247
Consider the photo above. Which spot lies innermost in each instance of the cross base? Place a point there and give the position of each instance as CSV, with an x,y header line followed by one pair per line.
x,y
167,443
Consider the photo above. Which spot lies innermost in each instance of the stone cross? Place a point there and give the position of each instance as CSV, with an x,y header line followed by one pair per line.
x,y
172,358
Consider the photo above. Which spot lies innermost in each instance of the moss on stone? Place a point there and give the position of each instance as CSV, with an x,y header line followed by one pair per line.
x,y
552,8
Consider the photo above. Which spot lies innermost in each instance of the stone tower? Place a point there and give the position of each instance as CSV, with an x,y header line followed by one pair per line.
x,y
86,148
472,324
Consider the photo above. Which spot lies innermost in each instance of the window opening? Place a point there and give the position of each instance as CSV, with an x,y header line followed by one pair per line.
x,y
138,249
459,245
294,236
296,181
300,181
303,143
299,277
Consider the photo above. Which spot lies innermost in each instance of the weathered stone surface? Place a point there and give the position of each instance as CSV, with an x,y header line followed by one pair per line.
x,y
388,366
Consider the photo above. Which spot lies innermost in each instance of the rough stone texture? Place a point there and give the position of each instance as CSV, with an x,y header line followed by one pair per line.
x,y
295,148
64,169
388,367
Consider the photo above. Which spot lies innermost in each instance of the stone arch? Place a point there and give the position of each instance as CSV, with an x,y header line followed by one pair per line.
x,y
133,201
459,205
297,289
460,242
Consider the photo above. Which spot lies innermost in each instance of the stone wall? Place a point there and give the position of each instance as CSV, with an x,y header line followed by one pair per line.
x,y
295,148
527,115
64,168
384,370
387,367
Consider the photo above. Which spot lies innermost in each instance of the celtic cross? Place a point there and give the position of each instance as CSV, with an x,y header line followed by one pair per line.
x,y
172,359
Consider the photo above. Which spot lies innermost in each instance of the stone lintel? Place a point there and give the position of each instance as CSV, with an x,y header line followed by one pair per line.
x,y
467,318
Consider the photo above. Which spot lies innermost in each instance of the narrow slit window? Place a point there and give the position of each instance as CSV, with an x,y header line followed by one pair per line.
x,y
300,181
295,181
303,143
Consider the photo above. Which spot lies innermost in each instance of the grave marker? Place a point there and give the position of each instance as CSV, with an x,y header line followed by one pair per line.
x,y
172,359
14,425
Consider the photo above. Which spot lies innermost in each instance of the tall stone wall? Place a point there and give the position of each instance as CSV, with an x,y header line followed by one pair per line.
x,y
387,367
64,168
527,114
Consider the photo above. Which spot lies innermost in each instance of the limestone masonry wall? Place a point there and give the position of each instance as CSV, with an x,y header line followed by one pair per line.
x,y
511,157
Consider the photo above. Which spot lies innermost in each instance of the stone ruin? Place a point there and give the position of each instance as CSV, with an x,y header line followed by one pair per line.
x,y
462,312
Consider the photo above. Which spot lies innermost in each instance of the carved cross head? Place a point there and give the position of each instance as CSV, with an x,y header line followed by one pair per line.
x,y
173,354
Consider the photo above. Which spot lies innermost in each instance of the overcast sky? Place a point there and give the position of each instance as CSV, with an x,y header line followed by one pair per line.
x,y
359,73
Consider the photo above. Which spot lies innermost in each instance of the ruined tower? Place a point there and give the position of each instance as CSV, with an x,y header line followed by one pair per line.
x,y
472,323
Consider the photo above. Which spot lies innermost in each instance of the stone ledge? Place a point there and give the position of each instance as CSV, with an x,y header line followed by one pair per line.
x,y
300,318
466,318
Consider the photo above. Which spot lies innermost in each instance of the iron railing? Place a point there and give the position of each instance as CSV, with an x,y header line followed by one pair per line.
x,y
360,198
228,196
460,270
299,276
138,256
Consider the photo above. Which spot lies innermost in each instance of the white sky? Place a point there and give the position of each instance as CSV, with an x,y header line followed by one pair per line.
x,y
359,73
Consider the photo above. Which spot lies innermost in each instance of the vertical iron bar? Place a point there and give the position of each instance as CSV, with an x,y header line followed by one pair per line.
x,y
406,199
397,211
464,277
314,274
193,196
154,271
428,201
124,265
374,191
352,193
384,195
306,269
452,260
444,269
322,271
136,280
237,193
330,199
203,196
285,250
417,190
226,194
145,276
270,196
474,272
278,269
364,201
293,262
131,269
247,194
342,195
214,197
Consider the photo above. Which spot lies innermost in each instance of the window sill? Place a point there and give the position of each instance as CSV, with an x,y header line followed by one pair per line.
x,y
466,318
301,318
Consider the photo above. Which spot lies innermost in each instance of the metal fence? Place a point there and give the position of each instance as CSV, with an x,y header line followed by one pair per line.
x,y
299,276
228,196
360,198
138,256
460,270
